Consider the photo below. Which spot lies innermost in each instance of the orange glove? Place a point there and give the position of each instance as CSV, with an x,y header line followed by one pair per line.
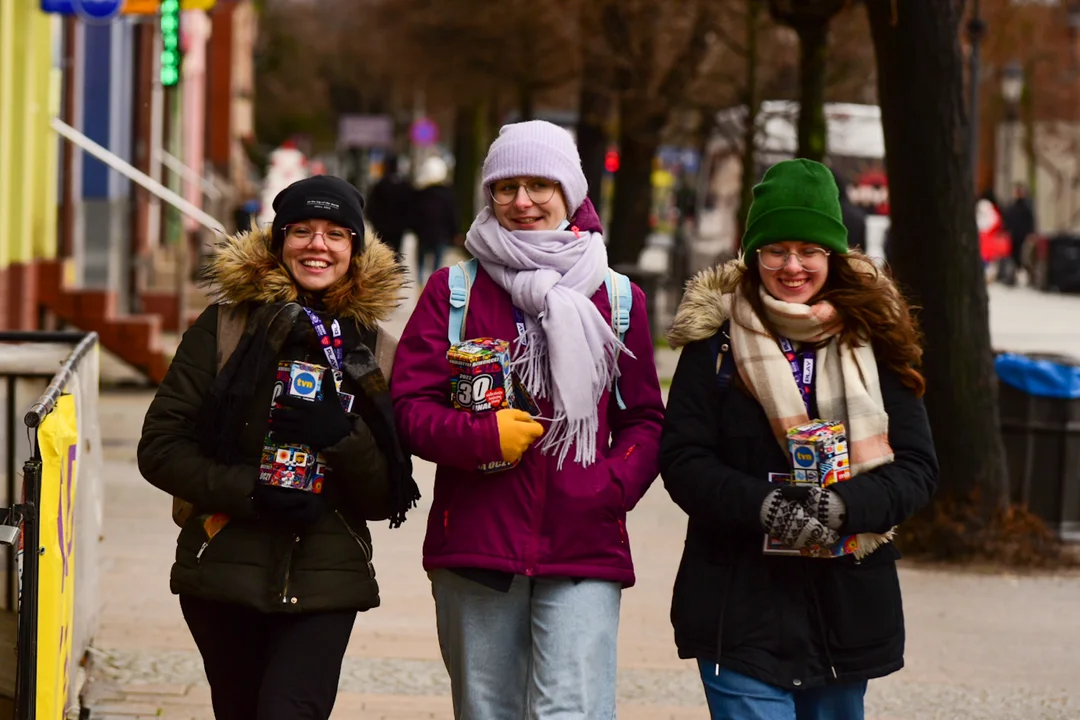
x,y
517,431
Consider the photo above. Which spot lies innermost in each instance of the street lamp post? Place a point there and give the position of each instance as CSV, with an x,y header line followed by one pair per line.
x,y
1012,88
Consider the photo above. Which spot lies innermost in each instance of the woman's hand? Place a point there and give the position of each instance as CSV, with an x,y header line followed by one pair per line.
x,y
319,424
790,523
517,431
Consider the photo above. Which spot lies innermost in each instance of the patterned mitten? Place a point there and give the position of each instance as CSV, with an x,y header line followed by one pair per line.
x,y
827,507
791,524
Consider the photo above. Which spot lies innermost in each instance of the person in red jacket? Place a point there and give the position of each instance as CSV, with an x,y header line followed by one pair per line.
x,y
527,565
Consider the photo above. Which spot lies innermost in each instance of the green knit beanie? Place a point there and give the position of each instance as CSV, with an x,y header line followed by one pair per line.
x,y
796,200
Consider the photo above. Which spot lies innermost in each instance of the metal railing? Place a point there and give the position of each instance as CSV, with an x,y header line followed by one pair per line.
x,y
23,517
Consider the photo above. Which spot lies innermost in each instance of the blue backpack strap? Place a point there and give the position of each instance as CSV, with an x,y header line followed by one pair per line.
x,y
724,359
621,300
461,278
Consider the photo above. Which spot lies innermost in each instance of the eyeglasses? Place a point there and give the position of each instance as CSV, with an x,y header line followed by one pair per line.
x,y
336,239
539,190
811,259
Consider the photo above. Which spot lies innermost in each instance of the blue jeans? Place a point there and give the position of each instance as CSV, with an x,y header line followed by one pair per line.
x,y
544,650
732,696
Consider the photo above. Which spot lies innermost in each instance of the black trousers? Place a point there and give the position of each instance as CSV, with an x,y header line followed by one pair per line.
x,y
269,666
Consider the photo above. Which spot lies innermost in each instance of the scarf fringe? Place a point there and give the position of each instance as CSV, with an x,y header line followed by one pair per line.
x,y
534,373
869,542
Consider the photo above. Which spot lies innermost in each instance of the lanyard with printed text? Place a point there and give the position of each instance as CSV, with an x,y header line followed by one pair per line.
x,y
802,368
519,320
335,355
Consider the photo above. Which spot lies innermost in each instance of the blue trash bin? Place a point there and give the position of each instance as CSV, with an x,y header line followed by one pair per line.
x,y
1040,424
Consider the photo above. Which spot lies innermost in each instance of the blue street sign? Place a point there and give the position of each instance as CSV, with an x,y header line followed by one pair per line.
x,y
424,132
91,10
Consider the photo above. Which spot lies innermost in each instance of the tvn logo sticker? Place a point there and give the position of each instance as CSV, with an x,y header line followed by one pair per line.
x,y
804,457
304,385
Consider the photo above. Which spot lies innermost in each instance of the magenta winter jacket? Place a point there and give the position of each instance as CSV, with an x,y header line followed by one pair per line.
x,y
531,519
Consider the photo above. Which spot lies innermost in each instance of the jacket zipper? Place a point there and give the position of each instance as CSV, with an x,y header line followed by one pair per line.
x,y
364,547
288,570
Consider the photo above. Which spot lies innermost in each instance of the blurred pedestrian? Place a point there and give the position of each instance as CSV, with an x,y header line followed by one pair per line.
x,y
390,204
1019,220
271,575
854,217
435,217
527,566
806,328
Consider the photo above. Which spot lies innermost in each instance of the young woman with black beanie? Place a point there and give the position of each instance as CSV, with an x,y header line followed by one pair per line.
x,y
271,571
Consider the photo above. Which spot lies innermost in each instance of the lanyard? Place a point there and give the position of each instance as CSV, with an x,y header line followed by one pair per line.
x,y
335,355
802,368
519,320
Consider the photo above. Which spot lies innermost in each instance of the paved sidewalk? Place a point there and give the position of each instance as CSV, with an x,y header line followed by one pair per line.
x,y
980,646
989,646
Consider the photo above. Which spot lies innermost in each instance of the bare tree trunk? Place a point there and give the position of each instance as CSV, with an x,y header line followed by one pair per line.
x,y
592,140
753,108
596,100
936,255
467,146
813,54
639,139
526,101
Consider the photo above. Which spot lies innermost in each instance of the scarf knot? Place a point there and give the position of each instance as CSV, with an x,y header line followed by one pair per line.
x,y
551,276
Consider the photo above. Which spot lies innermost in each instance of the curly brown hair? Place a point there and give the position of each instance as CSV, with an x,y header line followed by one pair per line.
x,y
871,308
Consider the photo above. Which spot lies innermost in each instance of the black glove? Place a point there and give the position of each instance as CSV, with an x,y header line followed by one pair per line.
x,y
791,524
319,423
288,506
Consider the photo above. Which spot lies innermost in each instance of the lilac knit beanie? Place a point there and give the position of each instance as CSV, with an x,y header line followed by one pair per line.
x,y
538,148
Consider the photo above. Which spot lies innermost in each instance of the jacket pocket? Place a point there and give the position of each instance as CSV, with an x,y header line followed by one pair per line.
x,y
861,600
200,531
365,547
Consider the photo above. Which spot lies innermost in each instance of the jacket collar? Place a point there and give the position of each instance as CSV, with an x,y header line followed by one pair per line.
x,y
702,310
245,270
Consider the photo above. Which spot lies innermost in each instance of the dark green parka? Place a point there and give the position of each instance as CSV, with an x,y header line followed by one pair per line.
x,y
249,560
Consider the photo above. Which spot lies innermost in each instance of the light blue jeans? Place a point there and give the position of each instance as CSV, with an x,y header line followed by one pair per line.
x,y
545,650
733,696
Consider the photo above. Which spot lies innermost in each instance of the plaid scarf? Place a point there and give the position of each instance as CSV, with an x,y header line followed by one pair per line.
x,y
847,386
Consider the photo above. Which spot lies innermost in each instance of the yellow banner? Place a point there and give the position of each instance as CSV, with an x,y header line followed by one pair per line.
x,y
59,443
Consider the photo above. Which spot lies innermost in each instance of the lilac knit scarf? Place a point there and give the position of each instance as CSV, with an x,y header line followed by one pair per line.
x,y
568,351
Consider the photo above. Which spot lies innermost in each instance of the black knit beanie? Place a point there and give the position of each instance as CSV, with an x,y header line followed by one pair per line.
x,y
322,197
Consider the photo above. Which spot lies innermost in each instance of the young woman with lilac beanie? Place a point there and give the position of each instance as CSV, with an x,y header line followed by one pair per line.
x,y
527,565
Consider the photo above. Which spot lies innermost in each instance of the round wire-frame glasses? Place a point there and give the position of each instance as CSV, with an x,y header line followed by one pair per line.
x,y
811,259
539,190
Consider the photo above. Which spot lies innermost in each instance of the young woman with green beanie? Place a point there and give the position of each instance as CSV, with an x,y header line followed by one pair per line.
x,y
797,328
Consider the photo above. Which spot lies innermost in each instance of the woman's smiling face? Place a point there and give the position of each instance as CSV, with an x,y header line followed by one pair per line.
x,y
528,203
793,271
317,253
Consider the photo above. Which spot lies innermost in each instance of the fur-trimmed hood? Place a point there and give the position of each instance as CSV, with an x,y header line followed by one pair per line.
x,y
701,312
245,270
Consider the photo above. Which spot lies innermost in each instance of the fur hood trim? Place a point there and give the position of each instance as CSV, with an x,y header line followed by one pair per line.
x,y
701,312
245,270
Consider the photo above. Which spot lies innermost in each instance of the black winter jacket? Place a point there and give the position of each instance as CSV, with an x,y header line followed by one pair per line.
x,y
792,622
252,561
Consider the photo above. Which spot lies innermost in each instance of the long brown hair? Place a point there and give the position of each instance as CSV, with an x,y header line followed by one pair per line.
x,y
871,308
